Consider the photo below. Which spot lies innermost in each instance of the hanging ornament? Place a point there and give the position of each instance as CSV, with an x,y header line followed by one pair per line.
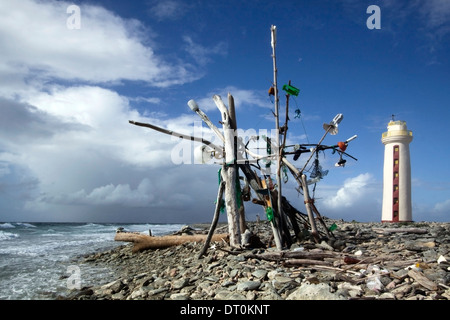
x,y
342,145
291,90
297,113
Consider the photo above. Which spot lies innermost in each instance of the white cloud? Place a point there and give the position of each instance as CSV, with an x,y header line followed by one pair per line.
x,y
442,207
37,46
65,141
242,98
201,54
78,145
120,194
167,9
437,13
353,190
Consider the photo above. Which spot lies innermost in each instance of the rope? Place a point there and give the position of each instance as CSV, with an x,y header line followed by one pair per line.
x,y
301,119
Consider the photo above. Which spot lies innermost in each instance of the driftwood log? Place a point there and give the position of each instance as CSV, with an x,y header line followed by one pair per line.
x,y
143,241
406,230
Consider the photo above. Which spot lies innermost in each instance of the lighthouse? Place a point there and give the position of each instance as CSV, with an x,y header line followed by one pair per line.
x,y
396,173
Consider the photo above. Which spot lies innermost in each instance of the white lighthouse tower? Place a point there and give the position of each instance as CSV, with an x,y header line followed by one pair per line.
x,y
396,173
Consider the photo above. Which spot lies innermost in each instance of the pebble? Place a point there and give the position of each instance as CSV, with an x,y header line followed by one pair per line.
x,y
362,264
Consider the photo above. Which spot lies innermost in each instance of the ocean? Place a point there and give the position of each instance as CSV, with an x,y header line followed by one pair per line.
x,y
38,260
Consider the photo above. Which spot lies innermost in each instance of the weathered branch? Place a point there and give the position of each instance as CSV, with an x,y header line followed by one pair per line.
x,y
178,135
406,230
215,219
309,210
307,262
282,255
143,241
422,280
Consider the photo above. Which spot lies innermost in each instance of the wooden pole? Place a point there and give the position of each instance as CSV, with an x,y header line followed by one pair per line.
x,y
194,107
229,175
286,120
277,127
251,176
215,219
233,120
308,209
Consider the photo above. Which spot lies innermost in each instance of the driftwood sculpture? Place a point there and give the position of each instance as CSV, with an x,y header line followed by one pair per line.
x,y
234,158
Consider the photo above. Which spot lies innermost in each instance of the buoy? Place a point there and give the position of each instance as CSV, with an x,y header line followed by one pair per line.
x,y
342,145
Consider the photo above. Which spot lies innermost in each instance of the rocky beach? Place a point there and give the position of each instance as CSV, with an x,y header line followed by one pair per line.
x,y
360,261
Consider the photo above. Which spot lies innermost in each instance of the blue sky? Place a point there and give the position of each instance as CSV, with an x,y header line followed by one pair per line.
x,y
68,153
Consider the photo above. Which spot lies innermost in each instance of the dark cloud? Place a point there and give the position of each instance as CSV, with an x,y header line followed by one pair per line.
x,y
25,124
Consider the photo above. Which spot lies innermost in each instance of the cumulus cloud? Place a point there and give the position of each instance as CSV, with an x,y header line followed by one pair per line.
x,y
242,98
352,191
358,197
442,207
37,46
121,195
79,149
65,141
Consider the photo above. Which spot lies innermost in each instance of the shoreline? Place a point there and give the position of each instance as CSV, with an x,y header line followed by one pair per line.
x,y
364,261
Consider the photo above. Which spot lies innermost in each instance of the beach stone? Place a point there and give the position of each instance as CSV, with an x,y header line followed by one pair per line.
x,y
138,293
179,296
324,245
352,290
386,296
271,274
178,284
259,274
446,294
118,296
248,285
270,295
321,291
280,282
157,291
222,295
236,296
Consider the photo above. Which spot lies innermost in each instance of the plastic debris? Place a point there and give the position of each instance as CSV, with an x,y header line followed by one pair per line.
x,y
291,90
441,259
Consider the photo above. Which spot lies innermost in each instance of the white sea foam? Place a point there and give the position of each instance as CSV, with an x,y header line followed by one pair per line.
x,y
24,224
34,257
7,235
6,225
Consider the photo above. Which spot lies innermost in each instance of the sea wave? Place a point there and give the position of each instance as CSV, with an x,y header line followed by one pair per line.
x,y
6,225
11,225
24,224
7,235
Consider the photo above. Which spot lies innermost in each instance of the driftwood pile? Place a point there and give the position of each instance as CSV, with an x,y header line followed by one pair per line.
x,y
343,264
